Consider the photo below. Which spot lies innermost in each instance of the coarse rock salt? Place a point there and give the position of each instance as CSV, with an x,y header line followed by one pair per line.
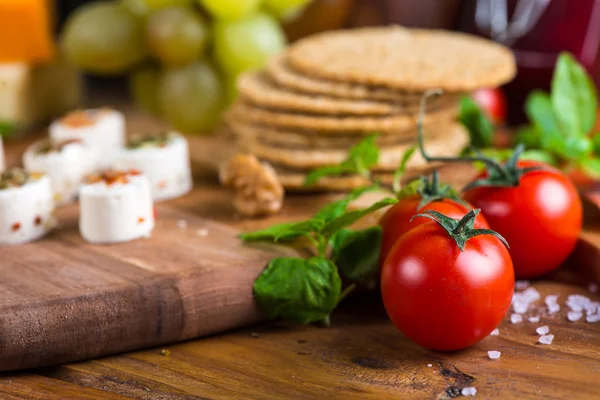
x,y
553,308
520,308
516,318
534,319
521,285
574,316
546,339
468,391
493,354
429,365
495,332
593,287
591,307
542,330
577,302
551,299
182,224
592,319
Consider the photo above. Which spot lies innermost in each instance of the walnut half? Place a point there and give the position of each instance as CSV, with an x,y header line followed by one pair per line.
x,y
259,191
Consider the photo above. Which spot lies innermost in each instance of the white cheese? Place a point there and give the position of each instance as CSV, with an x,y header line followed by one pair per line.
x,y
117,212
66,167
167,167
26,212
105,133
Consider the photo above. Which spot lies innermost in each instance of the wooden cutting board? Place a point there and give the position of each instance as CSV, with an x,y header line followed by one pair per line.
x,y
62,299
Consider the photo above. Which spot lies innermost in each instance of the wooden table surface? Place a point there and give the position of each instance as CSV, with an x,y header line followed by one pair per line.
x,y
361,356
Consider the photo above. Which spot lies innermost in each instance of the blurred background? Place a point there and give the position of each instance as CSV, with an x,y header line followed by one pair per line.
x,y
178,59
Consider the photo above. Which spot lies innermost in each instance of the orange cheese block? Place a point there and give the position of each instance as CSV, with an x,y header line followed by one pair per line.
x,y
26,31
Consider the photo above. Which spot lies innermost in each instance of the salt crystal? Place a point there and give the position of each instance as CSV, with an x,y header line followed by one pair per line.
x,y
553,308
546,339
577,302
592,307
202,232
533,319
495,332
574,316
181,224
516,318
542,330
520,308
551,299
468,391
593,318
429,365
521,285
494,355
593,287
531,293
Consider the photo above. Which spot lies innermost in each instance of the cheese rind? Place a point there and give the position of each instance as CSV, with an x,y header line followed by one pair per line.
x,y
117,212
106,134
167,167
26,212
66,167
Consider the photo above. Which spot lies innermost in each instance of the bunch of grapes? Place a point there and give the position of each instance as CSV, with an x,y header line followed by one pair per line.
x,y
183,56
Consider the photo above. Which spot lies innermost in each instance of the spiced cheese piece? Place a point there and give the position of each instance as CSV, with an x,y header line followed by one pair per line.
x,y
66,163
164,159
102,129
115,206
26,206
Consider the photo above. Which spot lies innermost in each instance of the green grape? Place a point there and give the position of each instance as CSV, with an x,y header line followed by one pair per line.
x,y
230,9
103,38
176,35
191,97
143,87
144,7
248,43
284,9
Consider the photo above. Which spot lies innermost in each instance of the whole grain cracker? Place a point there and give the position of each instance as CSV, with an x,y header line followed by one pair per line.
x,y
247,113
408,59
279,70
257,88
445,143
299,140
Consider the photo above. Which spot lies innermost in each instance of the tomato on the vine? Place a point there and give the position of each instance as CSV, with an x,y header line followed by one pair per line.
x,y
420,196
540,215
493,102
447,285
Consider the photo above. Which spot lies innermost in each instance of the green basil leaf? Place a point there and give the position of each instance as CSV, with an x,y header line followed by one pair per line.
x,y
285,231
298,290
578,147
338,241
591,166
396,186
574,97
334,210
539,110
351,217
357,253
6,128
539,155
596,142
530,136
361,158
336,170
476,122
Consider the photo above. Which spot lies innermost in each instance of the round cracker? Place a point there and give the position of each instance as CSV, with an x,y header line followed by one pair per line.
x,y
408,59
280,72
299,140
445,143
257,89
247,113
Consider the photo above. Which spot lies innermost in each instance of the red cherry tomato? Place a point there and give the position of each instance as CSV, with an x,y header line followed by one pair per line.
x,y
444,298
493,103
397,220
541,218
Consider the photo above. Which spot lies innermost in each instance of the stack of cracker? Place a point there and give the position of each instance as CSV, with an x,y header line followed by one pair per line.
x,y
329,91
